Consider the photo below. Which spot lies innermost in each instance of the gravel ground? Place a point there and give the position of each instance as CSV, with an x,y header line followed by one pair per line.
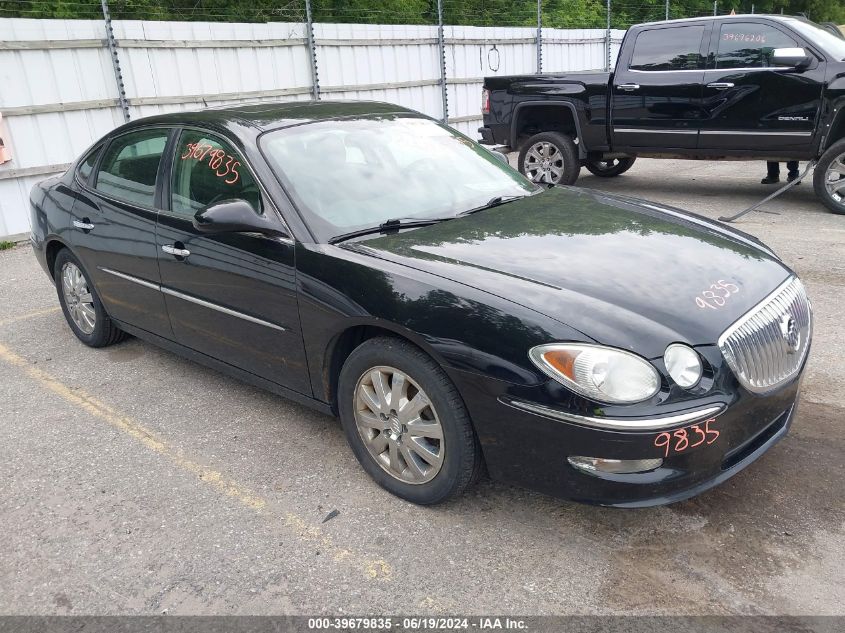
x,y
132,481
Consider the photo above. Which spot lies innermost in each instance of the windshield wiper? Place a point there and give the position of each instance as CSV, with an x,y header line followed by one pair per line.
x,y
493,202
394,224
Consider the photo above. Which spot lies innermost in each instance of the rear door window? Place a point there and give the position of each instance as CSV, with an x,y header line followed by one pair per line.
x,y
130,165
675,48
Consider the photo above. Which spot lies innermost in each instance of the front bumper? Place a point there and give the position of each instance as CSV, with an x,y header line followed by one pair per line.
x,y
532,450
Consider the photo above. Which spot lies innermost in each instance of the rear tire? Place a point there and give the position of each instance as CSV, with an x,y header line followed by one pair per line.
x,y
81,304
406,422
550,157
610,168
829,177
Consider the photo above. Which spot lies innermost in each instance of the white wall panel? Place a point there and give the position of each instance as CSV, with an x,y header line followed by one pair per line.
x,y
368,62
483,51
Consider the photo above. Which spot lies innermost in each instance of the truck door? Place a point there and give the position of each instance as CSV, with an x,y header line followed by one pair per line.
x,y
657,88
748,102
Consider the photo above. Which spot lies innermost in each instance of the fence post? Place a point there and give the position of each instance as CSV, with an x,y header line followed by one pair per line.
x,y
715,5
539,36
115,62
667,9
607,40
312,51
441,47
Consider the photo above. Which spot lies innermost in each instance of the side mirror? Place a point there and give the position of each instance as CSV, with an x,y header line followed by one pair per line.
x,y
233,216
796,58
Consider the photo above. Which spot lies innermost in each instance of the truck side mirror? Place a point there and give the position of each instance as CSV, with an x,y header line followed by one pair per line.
x,y
795,58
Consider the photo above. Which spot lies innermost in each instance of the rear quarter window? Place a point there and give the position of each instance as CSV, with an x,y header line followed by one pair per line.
x,y
87,165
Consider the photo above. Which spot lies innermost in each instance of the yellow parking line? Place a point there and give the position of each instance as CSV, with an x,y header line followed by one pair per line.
x,y
305,531
29,315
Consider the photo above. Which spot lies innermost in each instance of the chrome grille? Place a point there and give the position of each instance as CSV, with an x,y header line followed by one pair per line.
x,y
768,345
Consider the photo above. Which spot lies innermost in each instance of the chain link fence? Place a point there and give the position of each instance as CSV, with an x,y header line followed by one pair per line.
x,y
617,14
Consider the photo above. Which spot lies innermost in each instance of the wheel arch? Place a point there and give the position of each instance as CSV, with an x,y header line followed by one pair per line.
x,y
837,126
52,246
342,344
546,115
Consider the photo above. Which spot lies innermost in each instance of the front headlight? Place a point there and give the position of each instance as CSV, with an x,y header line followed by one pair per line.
x,y
600,373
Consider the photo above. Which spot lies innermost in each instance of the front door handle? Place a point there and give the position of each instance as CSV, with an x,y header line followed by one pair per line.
x,y
628,87
83,224
177,252
720,85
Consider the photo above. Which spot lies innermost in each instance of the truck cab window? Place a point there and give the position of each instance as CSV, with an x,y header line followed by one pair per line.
x,y
749,44
675,48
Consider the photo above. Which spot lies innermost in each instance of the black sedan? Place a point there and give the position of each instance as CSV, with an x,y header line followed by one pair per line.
x,y
376,265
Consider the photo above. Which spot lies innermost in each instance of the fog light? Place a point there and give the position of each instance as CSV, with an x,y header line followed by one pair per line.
x,y
616,466
683,364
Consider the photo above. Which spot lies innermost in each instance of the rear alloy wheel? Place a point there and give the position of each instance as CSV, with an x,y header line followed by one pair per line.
x,y
81,304
610,167
406,422
829,177
78,298
550,157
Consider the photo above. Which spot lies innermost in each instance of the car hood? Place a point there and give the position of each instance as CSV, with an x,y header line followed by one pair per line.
x,y
624,272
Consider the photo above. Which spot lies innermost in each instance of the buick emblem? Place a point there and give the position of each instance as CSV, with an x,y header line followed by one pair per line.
x,y
791,333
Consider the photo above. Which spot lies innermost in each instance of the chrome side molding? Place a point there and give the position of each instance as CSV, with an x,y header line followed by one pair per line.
x,y
191,299
219,308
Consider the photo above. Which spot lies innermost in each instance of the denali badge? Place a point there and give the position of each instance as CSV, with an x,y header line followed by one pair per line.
x,y
793,118
790,332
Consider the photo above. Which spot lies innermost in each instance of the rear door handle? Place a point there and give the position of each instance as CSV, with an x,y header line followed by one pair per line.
x,y
83,224
720,85
177,252
628,87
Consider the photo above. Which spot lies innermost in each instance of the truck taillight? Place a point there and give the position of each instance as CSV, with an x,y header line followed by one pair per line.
x,y
485,101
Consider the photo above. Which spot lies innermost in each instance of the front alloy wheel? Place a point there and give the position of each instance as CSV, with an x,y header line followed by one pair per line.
x,y
829,177
398,424
610,167
406,421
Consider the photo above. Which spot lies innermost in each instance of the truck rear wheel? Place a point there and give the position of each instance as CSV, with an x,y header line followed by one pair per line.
x,y
610,167
829,177
550,157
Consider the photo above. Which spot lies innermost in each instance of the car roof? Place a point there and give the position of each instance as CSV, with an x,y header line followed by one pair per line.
x,y
271,115
744,17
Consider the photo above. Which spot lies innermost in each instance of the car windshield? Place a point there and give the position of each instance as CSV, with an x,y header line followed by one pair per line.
x,y
832,45
355,174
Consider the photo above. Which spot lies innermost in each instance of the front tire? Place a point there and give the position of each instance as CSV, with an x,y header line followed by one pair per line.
x,y
611,167
829,177
550,157
81,304
406,422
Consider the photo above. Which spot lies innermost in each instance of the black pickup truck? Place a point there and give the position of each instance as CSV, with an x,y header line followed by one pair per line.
x,y
735,87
